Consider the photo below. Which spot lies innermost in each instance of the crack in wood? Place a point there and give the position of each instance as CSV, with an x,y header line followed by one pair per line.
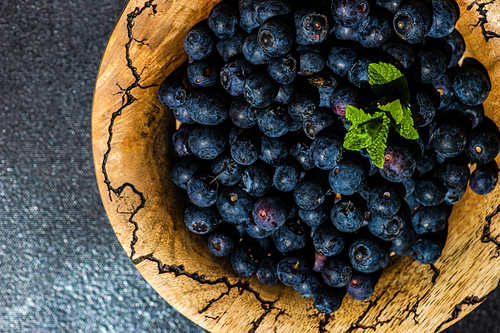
x,y
436,273
482,20
323,322
470,300
486,236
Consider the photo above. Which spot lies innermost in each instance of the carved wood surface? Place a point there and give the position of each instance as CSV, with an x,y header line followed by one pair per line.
x,y
130,135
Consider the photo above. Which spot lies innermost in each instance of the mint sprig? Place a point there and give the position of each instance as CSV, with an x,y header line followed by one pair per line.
x,y
370,127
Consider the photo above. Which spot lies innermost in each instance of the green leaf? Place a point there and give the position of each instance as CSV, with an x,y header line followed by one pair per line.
x,y
395,109
376,149
356,116
405,127
386,79
356,138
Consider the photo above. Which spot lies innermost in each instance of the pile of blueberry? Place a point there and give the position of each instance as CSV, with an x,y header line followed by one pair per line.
x,y
260,145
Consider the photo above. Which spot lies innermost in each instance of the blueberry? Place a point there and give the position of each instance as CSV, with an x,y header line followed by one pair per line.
x,y
346,177
309,194
403,243
449,139
273,150
390,5
223,20
301,105
233,75
291,236
384,201
387,228
183,170
309,286
260,90
269,213
358,73
202,190
399,163
273,120
221,244
343,96
271,8
201,73
429,191
326,300
400,54
248,14
457,44
275,38
426,163
172,93
444,18
285,91
325,84
350,13
430,65
423,109
474,114
430,219
367,254
341,58
326,151
482,146
444,87
254,231
454,196
201,220
301,152
293,270
361,286
283,69
207,107
199,43
181,114
344,33
347,216
245,261
245,148
483,180
267,272
286,176
412,21
314,217
252,51
427,250
231,46
241,113
328,241
180,140
235,205
454,174
311,26
320,120
375,32
206,142
471,86
336,272
256,180
311,60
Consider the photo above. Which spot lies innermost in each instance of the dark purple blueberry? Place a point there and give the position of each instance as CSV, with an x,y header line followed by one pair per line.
x,y
430,219
202,190
181,114
301,152
343,96
223,20
454,174
311,60
206,142
311,26
454,196
254,231
286,176
341,58
403,243
427,250
457,44
367,254
430,65
260,90
429,191
327,300
399,163
183,170
347,216
320,120
309,286
201,220
361,286
387,228
202,73
233,75
221,244
326,151
384,200
199,43
412,21
283,69
269,213
346,177
423,109
400,54
256,180
271,8
483,180
292,270
172,93
309,194
231,46
180,141
449,139
267,272
358,73
328,241
336,272
207,107
482,146
314,217
444,18
325,83
292,236
284,93
245,261
375,32
273,120
235,205
444,87
275,38
471,86
248,14
253,52
350,13
273,150
344,33
301,105
242,114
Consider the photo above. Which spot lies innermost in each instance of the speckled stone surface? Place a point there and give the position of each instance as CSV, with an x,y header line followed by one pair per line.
x,y
61,266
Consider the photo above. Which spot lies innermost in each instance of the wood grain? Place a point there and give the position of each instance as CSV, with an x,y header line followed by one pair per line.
x,y
130,135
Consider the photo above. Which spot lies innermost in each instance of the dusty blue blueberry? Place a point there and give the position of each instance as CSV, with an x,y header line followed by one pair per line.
x,y
347,216
221,244
293,270
430,219
367,254
231,46
227,171
235,205
172,93
202,73
202,190
245,261
260,90
256,180
273,150
341,58
206,142
346,177
267,272
429,191
223,21
427,250
271,8
286,176
361,286
309,286
207,107
412,21
403,243
183,170
471,86
328,241
482,146
233,75
314,217
483,180
375,32
387,228
336,272
311,26
444,18
253,52
201,220
199,43
283,69
309,194
275,38
292,236
311,60
327,300
273,121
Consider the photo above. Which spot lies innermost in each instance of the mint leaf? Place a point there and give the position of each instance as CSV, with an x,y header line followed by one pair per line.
x,y
386,79
395,109
356,138
376,149
356,116
405,127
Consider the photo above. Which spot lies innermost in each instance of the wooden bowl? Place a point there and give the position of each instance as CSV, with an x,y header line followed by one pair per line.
x,y
131,132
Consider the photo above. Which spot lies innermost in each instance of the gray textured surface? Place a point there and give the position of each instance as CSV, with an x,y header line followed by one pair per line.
x,y
61,266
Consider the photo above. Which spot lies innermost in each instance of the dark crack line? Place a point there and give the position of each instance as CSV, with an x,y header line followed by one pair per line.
x,y
127,100
358,324
470,300
482,20
486,236
436,273
266,305
413,310
323,322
